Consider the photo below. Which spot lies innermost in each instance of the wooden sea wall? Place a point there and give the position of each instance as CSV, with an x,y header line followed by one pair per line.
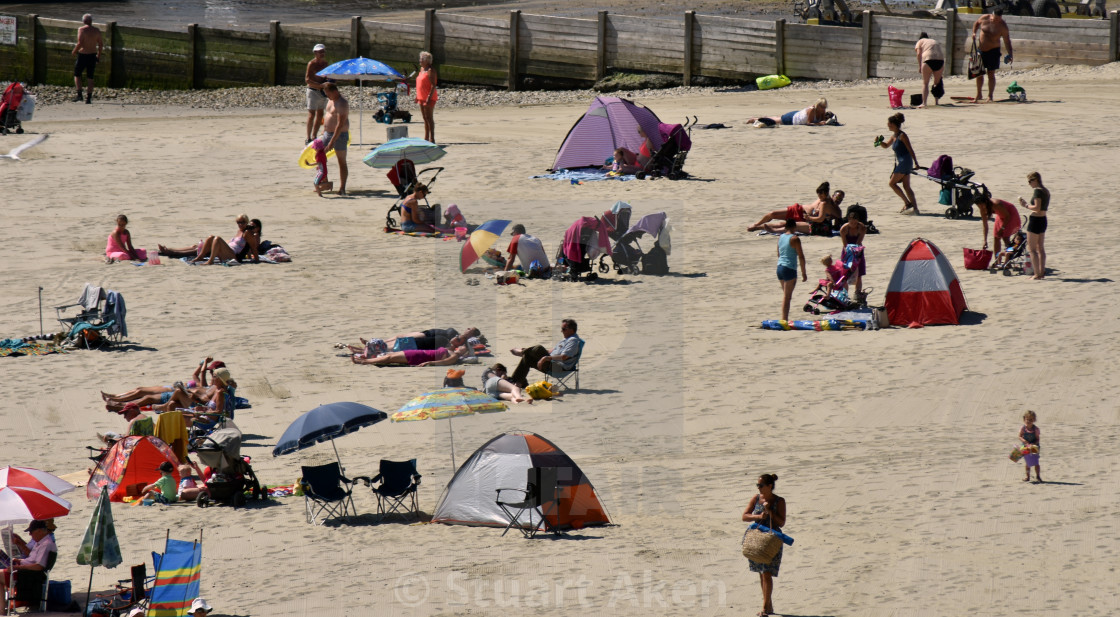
x,y
503,52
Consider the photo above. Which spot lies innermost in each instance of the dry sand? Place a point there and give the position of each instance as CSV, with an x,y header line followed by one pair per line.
x,y
891,446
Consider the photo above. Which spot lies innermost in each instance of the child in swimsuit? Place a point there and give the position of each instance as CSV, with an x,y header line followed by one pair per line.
x,y
321,183
1030,435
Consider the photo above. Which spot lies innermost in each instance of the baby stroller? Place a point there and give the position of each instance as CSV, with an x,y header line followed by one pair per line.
x,y
668,161
389,111
232,475
957,189
627,255
16,105
617,220
831,294
404,178
1013,258
585,240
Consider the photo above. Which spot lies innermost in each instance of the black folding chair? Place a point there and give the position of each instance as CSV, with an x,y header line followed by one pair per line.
x,y
131,592
538,497
324,493
31,585
397,486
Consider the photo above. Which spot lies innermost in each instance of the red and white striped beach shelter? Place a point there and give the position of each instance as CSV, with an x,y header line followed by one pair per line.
x,y
924,287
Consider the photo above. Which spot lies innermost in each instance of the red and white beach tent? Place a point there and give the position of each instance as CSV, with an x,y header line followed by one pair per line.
x,y
924,287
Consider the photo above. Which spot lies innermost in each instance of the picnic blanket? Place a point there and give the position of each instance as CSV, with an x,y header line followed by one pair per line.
x,y
420,234
576,176
17,347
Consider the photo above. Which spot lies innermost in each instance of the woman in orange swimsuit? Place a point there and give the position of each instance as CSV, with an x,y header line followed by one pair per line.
x,y
426,95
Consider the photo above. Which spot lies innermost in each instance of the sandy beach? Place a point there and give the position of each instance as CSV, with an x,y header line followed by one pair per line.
x,y
890,446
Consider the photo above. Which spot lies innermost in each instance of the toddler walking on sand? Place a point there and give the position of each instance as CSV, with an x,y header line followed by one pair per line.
x,y
321,182
1030,435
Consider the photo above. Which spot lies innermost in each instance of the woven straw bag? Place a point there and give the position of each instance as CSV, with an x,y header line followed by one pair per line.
x,y
760,546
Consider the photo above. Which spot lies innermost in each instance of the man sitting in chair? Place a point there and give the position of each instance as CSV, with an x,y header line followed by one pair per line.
x,y
562,356
36,561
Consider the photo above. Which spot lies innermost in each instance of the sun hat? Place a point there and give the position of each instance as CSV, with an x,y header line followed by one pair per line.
x,y
216,364
36,525
200,603
223,374
319,47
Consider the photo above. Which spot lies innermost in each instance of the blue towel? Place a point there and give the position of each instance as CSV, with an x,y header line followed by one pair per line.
x,y
583,175
784,538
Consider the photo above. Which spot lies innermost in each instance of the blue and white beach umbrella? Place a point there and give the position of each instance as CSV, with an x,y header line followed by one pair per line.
x,y
361,69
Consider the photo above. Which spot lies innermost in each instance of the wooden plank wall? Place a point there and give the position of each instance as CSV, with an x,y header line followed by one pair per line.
x,y
230,58
823,52
398,45
733,48
146,58
15,60
471,49
557,46
643,44
293,50
892,44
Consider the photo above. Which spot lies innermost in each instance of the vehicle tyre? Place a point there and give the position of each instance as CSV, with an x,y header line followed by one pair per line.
x,y
1022,8
949,213
1046,8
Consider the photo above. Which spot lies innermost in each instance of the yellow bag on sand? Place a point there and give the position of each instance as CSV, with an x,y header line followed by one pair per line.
x,y
540,390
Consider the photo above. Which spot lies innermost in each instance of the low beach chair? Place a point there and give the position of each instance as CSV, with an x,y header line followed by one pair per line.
x,y
539,493
396,490
324,493
563,376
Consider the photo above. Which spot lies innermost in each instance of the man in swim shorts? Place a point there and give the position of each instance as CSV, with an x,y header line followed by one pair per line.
x,y
88,52
316,100
336,129
992,29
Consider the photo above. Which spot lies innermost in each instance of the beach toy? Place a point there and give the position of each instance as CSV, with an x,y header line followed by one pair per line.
x,y
307,157
1016,454
769,82
460,233
878,141
153,257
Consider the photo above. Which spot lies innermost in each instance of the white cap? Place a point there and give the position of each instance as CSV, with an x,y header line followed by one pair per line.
x,y
319,47
200,603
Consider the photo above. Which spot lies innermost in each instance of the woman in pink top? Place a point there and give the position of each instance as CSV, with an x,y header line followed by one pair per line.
x,y
417,357
426,95
119,247
1007,220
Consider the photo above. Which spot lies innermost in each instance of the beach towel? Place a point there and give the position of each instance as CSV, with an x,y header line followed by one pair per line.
x,y
114,306
171,428
598,242
17,347
576,176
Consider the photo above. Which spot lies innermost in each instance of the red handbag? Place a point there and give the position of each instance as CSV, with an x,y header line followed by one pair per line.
x,y
977,259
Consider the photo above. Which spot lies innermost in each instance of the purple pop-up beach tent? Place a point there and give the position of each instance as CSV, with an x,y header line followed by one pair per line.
x,y
609,122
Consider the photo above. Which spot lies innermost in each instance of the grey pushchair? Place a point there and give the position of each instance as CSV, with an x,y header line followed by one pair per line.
x,y
627,256
232,476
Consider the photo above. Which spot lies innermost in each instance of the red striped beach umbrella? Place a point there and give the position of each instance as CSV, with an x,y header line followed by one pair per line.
x,y
34,478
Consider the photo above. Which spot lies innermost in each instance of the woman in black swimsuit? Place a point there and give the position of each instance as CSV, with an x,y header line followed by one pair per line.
x,y
1036,224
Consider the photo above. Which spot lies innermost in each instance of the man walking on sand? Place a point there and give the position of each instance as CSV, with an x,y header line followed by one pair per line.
x,y
88,51
316,100
336,129
992,30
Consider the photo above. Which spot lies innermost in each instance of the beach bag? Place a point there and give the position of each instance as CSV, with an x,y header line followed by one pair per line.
x,y
769,82
945,196
542,390
977,259
404,343
761,546
895,96
938,89
942,166
655,261
975,65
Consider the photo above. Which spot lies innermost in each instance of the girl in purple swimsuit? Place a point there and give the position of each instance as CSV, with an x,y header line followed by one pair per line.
x,y
417,357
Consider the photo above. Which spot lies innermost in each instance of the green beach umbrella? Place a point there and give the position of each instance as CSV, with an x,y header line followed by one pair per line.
x,y
99,546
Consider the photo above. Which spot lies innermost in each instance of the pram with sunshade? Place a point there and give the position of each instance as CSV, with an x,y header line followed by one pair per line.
x,y
831,294
231,474
627,256
957,189
668,161
585,240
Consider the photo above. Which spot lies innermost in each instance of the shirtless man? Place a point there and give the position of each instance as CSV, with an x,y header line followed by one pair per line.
x,y
992,29
88,51
336,129
316,100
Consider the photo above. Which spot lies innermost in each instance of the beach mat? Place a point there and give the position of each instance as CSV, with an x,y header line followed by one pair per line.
x,y
577,176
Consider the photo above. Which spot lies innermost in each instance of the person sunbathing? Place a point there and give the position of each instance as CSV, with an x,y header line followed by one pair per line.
x,y
495,382
816,218
418,357
211,248
817,115
427,339
154,395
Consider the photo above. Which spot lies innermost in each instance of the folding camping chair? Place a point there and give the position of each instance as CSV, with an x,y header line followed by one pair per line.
x,y
539,495
31,586
131,592
323,493
563,376
92,308
396,493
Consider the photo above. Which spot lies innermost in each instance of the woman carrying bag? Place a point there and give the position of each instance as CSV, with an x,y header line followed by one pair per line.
x,y
768,509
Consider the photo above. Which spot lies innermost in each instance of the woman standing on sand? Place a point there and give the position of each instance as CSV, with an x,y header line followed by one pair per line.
x,y
426,95
904,161
789,256
768,509
1036,224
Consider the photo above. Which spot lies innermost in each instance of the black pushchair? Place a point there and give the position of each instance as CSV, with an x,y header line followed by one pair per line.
x,y
957,189
668,161
404,178
232,475
627,256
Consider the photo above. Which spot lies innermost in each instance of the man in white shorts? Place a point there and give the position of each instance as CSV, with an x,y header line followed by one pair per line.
x,y
316,100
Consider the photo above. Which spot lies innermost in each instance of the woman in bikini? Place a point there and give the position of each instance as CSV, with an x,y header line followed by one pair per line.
x,y
411,217
441,356
214,247
816,213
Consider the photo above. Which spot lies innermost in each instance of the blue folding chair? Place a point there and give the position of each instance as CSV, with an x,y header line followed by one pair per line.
x,y
563,376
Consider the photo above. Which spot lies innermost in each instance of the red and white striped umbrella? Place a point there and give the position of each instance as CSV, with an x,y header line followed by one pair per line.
x,y
18,504
27,477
